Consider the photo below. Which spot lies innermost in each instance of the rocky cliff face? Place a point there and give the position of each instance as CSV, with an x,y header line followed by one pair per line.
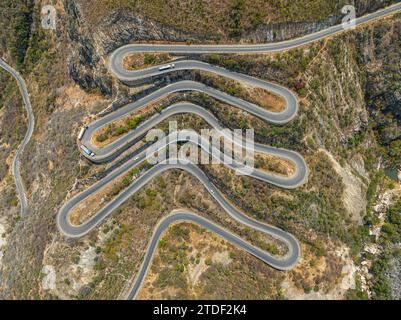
x,y
87,66
380,56
366,6
84,66
289,30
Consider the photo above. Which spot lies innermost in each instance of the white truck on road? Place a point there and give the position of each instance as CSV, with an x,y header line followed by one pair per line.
x,y
82,132
166,67
87,151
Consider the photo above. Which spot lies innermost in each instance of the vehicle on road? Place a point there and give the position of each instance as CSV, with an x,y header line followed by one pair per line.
x,y
299,178
166,67
87,150
81,133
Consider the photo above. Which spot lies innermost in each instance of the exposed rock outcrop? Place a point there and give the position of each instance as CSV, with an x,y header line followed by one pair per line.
x,y
87,66
84,66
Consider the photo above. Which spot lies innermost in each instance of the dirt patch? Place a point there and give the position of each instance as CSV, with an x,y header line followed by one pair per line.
x,y
49,278
87,208
354,195
194,272
73,96
327,277
3,238
266,100
69,276
274,164
261,97
222,257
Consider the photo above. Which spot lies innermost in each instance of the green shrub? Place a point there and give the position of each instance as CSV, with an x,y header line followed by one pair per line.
x,y
149,59
120,130
101,137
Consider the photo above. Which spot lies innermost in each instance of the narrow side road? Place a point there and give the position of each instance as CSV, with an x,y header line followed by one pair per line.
x,y
31,124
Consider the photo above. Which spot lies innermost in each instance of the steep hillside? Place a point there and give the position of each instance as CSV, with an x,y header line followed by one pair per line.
x,y
230,19
348,88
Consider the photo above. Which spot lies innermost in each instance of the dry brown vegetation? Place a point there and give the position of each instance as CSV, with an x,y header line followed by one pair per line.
x,y
317,272
122,239
274,164
120,242
226,18
144,60
87,208
112,131
192,263
265,99
261,97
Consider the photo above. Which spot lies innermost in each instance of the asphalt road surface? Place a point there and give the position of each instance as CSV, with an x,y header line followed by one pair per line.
x,y
117,147
110,151
117,55
181,215
31,124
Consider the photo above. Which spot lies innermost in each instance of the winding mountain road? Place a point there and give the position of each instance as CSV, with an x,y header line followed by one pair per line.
x,y
31,124
110,151
115,148
181,216
118,146
118,55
